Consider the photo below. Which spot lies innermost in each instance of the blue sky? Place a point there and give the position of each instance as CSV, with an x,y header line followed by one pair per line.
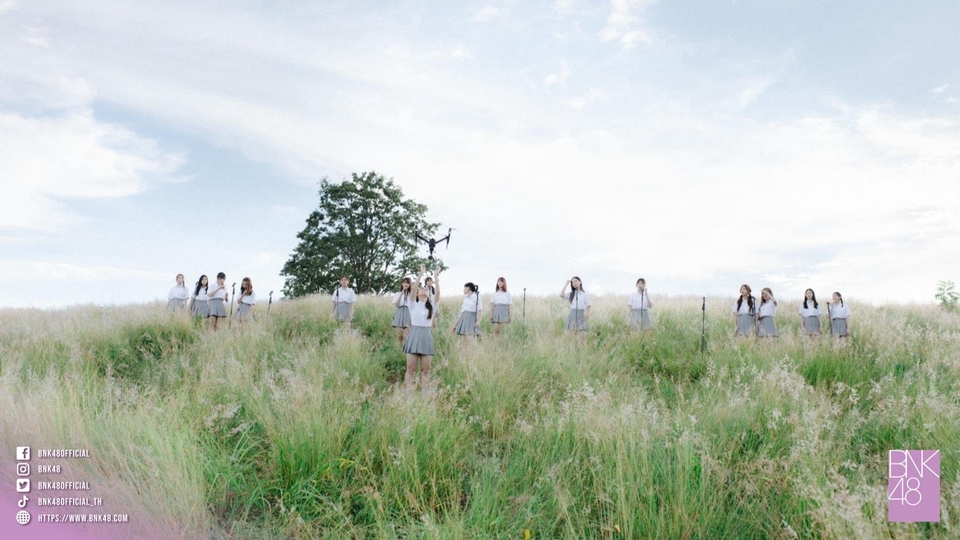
x,y
700,145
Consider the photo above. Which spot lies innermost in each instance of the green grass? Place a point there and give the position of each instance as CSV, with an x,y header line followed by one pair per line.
x,y
290,427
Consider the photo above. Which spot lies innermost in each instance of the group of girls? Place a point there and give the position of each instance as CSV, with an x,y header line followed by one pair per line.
x,y
210,301
753,320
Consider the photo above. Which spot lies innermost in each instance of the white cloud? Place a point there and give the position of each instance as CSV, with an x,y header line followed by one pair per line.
x,y
625,25
753,88
940,89
558,77
487,13
579,102
563,6
45,161
6,6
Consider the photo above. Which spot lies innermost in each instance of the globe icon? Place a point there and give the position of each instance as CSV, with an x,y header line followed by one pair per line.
x,y
23,517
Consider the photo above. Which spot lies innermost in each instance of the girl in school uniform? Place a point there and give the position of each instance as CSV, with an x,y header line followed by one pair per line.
x,y
433,291
200,306
839,317
245,301
419,343
640,305
343,300
810,313
218,300
767,326
579,305
745,313
401,318
468,324
500,306
178,296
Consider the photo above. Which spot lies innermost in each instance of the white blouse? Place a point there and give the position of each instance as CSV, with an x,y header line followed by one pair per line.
x,y
471,303
768,309
809,311
344,295
405,300
581,300
220,294
839,312
179,292
744,307
418,314
636,302
249,299
501,298
202,295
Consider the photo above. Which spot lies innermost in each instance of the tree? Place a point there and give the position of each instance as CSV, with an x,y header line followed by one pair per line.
x,y
947,295
364,228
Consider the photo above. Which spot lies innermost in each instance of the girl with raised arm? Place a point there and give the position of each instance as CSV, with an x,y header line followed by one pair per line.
x,y
810,313
640,305
419,343
767,326
178,296
500,306
401,318
200,305
218,300
245,301
579,305
745,313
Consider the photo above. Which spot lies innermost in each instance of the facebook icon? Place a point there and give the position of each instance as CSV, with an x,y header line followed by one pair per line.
x,y
23,453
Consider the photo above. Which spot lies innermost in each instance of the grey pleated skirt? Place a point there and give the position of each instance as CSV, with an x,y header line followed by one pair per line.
x,y
466,325
768,327
640,318
838,327
401,319
201,308
501,313
342,311
243,312
419,341
746,325
176,304
811,325
217,309
576,320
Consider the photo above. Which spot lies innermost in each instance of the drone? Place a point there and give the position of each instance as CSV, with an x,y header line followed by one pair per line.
x,y
432,244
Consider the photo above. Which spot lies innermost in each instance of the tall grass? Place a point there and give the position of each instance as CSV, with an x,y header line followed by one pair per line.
x,y
290,427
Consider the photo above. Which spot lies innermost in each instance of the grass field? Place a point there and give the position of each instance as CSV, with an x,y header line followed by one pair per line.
x,y
289,428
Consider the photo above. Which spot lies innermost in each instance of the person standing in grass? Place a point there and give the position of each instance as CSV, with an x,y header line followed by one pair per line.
x,y
418,346
500,306
839,316
433,290
767,326
401,318
218,301
245,301
200,305
343,301
745,313
468,324
810,313
579,305
640,305
178,296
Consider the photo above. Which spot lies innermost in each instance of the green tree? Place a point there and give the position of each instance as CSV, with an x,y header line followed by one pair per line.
x,y
947,295
364,228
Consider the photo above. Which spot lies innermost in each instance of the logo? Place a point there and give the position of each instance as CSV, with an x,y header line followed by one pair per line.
x,y
23,517
23,453
913,486
23,469
23,485
22,503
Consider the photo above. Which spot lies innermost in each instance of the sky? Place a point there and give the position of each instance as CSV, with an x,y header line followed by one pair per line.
x,y
699,145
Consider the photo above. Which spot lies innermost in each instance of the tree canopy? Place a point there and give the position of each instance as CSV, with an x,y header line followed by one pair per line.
x,y
363,227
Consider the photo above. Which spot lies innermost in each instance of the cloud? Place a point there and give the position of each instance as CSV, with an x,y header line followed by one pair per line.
x,y
624,25
6,6
487,13
563,7
940,89
753,88
579,102
559,77
46,161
